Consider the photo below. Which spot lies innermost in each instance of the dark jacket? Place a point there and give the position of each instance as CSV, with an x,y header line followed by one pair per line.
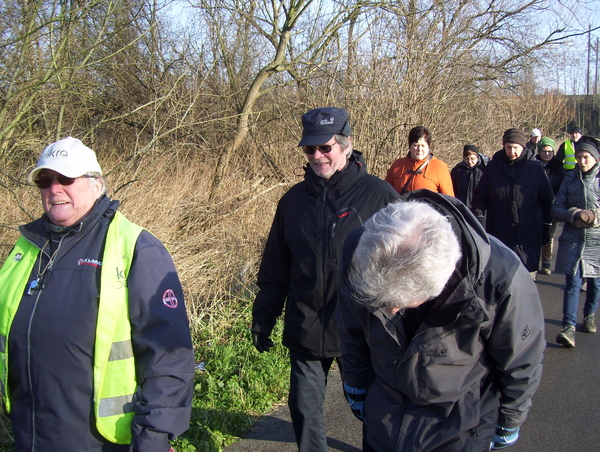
x,y
517,197
578,245
531,146
478,348
555,172
465,179
51,342
301,256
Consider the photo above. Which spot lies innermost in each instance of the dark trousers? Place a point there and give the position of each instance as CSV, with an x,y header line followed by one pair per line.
x,y
308,382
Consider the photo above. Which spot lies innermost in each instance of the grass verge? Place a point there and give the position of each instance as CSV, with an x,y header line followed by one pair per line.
x,y
238,384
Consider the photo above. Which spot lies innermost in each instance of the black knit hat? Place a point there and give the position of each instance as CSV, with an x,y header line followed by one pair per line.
x,y
588,144
575,129
516,136
469,148
321,124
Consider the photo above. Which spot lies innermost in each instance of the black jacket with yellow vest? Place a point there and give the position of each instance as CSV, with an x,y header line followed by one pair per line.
x,y
53,335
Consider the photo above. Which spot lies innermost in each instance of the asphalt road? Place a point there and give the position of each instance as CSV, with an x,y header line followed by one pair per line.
x,y
566,409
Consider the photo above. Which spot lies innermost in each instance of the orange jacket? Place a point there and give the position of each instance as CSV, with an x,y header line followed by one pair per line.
x,y
435,176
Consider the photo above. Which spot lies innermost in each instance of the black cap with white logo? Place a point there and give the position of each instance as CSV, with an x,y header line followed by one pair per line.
x,y
321,124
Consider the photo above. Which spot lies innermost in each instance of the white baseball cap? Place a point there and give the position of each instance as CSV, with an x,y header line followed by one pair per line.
x,y
69,157
536,133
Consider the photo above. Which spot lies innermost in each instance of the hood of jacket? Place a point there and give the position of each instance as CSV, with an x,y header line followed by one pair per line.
x,y
480,164
38,231
340,181
553,165
474,241
501,159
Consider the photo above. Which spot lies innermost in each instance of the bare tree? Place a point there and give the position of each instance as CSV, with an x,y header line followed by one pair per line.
x,y
286,36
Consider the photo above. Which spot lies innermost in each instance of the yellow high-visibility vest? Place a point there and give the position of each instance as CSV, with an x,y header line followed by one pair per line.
x,y
570,160
115,382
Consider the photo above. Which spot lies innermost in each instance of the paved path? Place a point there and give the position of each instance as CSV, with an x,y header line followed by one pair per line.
x,y
566,409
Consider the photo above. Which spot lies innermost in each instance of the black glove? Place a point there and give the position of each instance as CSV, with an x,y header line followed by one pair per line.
x,y
587,216
545,234
261,341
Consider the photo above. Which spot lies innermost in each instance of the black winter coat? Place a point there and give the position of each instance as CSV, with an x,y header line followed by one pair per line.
x,y
465,179
302,253
555,172
475,359
517,197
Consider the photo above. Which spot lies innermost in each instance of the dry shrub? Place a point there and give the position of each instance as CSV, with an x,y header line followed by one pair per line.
x,y
217,245
216,248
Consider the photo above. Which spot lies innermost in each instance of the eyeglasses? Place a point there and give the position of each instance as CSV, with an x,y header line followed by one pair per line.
x,y
46,180
324,148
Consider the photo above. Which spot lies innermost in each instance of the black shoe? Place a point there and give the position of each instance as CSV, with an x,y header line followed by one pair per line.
x,y
567,336
589,324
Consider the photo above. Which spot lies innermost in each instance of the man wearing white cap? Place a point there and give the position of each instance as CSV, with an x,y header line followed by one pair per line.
x,y
534,139
95,347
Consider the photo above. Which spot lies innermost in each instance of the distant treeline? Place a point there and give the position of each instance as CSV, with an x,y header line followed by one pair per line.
x,y
587,113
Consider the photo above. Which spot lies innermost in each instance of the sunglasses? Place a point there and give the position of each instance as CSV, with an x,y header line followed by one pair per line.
x,y
46,180
324,148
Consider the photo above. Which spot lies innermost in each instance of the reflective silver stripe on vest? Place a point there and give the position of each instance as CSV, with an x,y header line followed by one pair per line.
x,y
113,406
121,350
2,343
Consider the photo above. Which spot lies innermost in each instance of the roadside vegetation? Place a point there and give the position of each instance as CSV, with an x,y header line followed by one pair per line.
x,y
194,111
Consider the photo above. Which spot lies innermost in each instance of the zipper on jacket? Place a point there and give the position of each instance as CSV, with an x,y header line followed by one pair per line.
x,y
29,378
332,256
52,258
323,198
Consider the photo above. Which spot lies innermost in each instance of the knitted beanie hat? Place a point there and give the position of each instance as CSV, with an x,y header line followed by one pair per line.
x,y
514,136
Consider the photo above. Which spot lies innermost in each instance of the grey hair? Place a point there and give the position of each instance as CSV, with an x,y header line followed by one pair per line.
x,y
405,256
344,143
94,178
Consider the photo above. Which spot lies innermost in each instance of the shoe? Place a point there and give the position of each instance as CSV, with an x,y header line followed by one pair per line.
x,y
584,286
567,336
533,276
589,324
545,270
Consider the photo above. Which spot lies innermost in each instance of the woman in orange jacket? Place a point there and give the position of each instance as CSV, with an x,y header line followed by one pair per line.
x,y
420,169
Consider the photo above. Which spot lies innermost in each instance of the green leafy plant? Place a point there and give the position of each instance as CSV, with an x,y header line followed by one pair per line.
x,y
237,384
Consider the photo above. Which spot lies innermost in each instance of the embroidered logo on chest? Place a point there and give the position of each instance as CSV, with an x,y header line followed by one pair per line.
x,y
92,262
435,353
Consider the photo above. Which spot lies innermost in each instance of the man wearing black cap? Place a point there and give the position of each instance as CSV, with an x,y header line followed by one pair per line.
x,y
566,151
300,263
515,192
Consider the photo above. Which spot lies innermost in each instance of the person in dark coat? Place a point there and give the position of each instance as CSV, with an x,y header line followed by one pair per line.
x,y
95,347
465,176
442,330
578,206
556,173
300,262
535,137
517,196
